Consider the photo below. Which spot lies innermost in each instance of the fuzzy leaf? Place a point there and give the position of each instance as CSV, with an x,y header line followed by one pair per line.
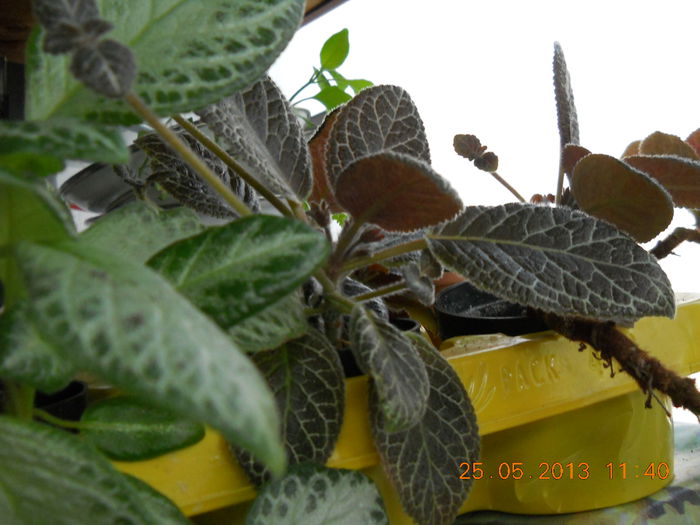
x,y
694,141
231,44
420,285
307,380
315,495
335,50
124,323
27,358
564,96
318,149
611,190
422,462
632,148
52,14
679,176
51,476
396,192
555,259
107,68
259,129
182,182
570,157
389,357
271,327
55,140
235,271
332,97
378,119
69,37
140,230
126,428
659,143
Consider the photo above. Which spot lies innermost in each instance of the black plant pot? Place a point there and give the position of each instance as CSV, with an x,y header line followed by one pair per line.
x,y
463,309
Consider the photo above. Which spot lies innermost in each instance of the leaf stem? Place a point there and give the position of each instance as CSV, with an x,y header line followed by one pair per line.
x,y
354,264
312,80
20,399
508,186
347,235
63,423
380,292
231,163
187,154
560,180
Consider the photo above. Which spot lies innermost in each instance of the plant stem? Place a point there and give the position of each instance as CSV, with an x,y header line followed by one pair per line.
x,y
187,154
346,238
508,186
354,264
380,292
308,83
63,423
666,246
560,180
20,399
231,163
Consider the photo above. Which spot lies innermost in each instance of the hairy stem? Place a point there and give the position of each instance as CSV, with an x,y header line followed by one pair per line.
x,y
666,246
647,371
400,249
189,156
231,163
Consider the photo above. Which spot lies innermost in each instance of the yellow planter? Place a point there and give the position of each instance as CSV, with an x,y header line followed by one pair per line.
x,y
549,415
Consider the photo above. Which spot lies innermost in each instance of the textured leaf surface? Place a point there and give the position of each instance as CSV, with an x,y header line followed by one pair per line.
x,y
570,157
54,13
307,380
420,285
140,230
659,143
693,141
556,259
390,358
396,192
59,139
125,323
680,176
378,119
107,67
422,462
611,190
231,44
234,271
318,149
161,508
26,357
272,326
51,476
564,96
259,129
182,182
315,495
126,428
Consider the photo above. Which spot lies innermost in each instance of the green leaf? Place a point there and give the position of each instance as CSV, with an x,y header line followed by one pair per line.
x,y
377,120
140,230
54,140
564,96
29,210
126,428
227,45
307,380
396,192
235,271
258,128
321,79
340,80
679,176
315,495
555,259
389,357
126,324
51,476
335,50
359,84
332,97
271,327
422,462
26,357
612,190
161,508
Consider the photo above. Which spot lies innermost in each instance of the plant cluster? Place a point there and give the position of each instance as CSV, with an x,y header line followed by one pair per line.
x,y
242,326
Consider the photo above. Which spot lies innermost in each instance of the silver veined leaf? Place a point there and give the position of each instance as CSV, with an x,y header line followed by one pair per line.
x,y
420,285
378,119
125,323
389,357
422,462
52,14
316,495
259,129
307,380
107,67
564,96
555,259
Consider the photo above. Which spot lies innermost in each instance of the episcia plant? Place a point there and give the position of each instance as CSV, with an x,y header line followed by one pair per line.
x,y
242,326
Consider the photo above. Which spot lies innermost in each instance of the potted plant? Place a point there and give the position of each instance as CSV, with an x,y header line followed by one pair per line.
x,y
240,326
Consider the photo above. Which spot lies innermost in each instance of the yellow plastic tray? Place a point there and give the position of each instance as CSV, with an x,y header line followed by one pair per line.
x,y
544,409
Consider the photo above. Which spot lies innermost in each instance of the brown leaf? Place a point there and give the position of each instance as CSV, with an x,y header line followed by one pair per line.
x,y
318,148
396,192
632,149
681,177
571,154
659,143
468,146
609,189
694,140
